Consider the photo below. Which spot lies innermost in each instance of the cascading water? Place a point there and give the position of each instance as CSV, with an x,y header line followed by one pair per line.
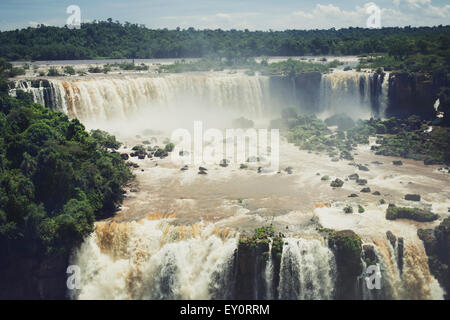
x,y
307,270
99,99
384,97
346,92
107,98
404,274
152,259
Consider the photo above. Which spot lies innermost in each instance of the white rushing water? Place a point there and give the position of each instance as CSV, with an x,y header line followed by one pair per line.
x,y
152,259
307,270
99,99
346,92
384,96
119,98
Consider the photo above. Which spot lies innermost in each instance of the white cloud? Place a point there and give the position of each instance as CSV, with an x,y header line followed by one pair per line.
x,y
224,16
322,16
412,4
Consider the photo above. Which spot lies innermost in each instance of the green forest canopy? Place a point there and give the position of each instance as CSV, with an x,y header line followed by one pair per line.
x,y
56,179
108,39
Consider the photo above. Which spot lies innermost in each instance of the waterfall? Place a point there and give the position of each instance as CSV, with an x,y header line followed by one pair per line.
x,y
268,276
152,259
404,273
346,92
98,99
155,259
384,96
108,98
307,270
37,90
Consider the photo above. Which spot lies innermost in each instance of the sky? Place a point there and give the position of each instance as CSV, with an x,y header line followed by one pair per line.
x,y
228,14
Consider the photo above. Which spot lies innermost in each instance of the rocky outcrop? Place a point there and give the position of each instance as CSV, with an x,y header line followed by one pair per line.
x,y
392,238
346,245
252,256
250,266
369,255
412,94
393,213
33,277
437,246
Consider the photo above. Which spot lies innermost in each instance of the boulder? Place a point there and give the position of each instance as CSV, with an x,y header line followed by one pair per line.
x,y
337,183
397,163
392,238
224,163
369,255
353,176
365,190
288,170
160,153
362,168
361,182
132,164
412,197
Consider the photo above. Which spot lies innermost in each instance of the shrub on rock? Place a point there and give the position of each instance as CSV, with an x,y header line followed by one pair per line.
x,y
337,183
393,213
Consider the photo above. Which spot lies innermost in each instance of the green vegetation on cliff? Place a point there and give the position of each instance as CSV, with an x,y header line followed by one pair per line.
x,y
263,236
56,179
347,248
406,138
431,147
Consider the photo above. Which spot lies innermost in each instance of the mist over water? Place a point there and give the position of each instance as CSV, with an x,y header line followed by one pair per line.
x,y
130,103
177,238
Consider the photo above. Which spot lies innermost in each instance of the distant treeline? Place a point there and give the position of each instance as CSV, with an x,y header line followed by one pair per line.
x,y
109,39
